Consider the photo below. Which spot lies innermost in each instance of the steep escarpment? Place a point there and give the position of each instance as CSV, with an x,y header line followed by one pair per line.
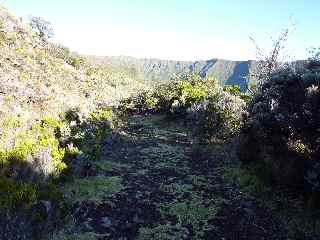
x,y
156,71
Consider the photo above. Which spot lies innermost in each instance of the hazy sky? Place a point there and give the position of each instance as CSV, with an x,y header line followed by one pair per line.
x,y
176,29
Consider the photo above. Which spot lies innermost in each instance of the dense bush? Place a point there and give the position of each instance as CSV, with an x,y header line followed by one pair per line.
x,y
35,154
219,116
283,126
181,92
211,111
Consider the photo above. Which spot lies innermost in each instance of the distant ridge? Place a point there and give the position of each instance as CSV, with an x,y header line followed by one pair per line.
x,y
155,71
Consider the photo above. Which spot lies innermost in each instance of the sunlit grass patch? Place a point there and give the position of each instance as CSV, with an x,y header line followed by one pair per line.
x,y
93,189
190,211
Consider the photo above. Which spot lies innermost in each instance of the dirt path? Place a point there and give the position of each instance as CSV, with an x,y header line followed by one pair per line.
x,y
153,183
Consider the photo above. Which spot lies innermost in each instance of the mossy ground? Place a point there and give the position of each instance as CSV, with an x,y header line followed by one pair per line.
x,y
154,182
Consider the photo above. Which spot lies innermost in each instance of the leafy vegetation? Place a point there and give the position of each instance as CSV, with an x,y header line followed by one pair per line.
x,y
281,131
93,189
212,111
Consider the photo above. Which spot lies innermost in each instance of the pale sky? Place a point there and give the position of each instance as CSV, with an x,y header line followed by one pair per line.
x,y
176,29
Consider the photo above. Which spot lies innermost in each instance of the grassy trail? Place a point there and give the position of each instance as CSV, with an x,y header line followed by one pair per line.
x,y
152,182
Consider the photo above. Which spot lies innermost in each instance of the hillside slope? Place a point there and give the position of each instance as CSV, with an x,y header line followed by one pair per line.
x,y
34,72
156,71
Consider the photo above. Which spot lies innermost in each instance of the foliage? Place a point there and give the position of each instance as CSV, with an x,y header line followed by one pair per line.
x,y
93,188
144,101
14,194
219,116
161,232
102,115
188,212
92,130
248,179
36,149
282,129
236,91
211,111
186,89
76,60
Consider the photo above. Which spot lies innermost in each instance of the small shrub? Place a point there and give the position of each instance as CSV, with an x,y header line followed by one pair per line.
x,y
249,179
236,91
218,117
144,101
36,153
101,115
76,61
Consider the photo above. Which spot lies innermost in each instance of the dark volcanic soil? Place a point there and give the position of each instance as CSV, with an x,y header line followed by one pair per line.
x,y
170,189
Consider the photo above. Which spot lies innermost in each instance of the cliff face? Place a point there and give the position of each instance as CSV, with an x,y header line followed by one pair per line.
x,y
155,71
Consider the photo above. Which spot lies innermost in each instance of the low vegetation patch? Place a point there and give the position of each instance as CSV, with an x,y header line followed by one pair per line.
x,y
93,189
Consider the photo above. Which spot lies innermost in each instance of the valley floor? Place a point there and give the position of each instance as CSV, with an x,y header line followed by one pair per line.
x,y
153,182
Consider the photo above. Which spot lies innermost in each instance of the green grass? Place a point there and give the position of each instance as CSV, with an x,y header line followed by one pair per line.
x,y
190,211
161,232
248,180
93,189
16,194
106,165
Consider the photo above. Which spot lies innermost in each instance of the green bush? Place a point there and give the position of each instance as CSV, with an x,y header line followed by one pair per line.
x,y
15,194
218,117
144,101
90,133
30,170
76,61
211,111
236,91
282,129
186,89
34,150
